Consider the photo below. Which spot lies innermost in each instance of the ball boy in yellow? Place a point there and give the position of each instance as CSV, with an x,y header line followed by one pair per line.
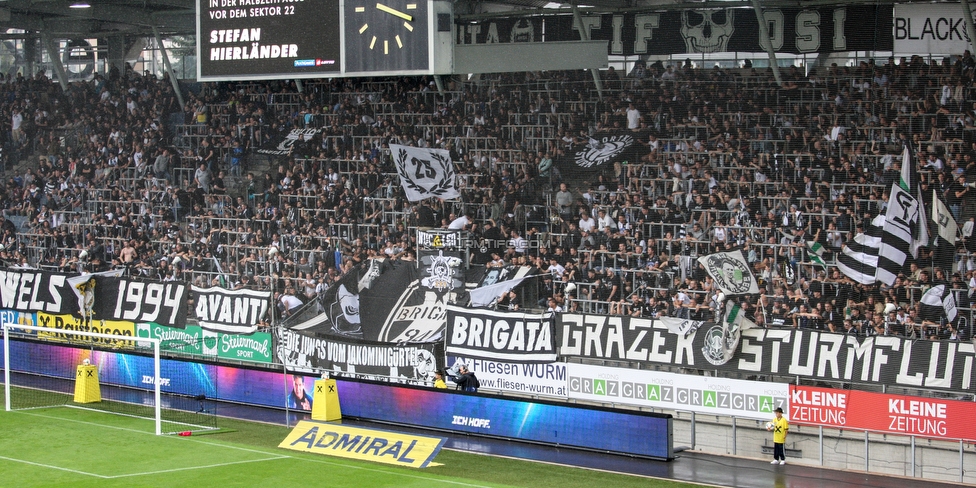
x,y
780,427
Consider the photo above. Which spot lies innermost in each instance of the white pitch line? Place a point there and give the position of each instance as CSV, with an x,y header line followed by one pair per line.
x,y
373,470
319,461
59,468
195,467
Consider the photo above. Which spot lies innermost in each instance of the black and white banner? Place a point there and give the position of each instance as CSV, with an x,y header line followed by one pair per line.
x,y
314,353
731,272
425,173
602,150
27,290
824,356
500,336
439,239
162,302
930,28
287,145
936,303
795,30
386,302
231,311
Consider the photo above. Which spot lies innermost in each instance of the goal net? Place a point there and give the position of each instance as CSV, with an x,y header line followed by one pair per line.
x,y
116,374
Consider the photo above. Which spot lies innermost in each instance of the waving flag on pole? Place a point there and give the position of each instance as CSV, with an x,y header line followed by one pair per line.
x,y
815,252
906,227
425,173
937,301
858,259
731,272
946,225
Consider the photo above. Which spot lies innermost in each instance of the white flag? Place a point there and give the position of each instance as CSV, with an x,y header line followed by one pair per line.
x,y
681,327
425,173
731,272
947,227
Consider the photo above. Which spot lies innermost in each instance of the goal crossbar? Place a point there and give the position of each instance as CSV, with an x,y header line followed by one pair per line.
x,y
8,327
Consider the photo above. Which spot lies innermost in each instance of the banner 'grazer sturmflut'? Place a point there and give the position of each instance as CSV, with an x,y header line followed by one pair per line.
x,y
136,300
502,336
314,353
232,311
825,356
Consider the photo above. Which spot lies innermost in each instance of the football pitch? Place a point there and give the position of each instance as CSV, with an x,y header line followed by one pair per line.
x,y
71,447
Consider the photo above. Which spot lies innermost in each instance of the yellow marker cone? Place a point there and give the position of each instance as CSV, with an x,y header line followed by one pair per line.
x,y
325,401
87,389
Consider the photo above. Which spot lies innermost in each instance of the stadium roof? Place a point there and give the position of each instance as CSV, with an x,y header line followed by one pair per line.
x,y
70,19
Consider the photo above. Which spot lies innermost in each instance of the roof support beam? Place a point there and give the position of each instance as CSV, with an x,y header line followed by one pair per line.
x,y
585,35
765,41
169,67
55,54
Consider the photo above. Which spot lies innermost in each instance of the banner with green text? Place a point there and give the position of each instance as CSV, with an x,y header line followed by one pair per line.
x,y
197,341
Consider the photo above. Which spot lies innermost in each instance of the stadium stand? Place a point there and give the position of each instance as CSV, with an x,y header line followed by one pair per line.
x,y
114,173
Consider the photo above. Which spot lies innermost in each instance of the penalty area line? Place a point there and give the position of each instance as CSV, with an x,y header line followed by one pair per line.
x,y
49,466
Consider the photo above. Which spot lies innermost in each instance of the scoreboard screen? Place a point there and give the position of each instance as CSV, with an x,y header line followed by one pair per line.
x,y
265,39
287,39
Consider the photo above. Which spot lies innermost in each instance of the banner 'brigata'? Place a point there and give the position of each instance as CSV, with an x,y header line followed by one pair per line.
x,y
501,336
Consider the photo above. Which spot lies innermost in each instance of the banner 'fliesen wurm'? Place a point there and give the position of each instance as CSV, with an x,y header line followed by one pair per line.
x,y
137,300
502,336
731,272
312,353
692,31
425,173
233,311
245,39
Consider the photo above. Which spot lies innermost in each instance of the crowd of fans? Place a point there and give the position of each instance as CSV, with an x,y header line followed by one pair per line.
x,y
119,175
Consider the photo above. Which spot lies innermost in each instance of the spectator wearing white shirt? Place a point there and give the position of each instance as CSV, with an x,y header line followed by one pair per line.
x,y
604,221
460,223
586,223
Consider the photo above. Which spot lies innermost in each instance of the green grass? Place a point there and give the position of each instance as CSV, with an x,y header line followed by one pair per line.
x,y
80,448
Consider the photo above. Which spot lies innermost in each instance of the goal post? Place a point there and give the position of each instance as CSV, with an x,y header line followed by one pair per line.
x,y
40,366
